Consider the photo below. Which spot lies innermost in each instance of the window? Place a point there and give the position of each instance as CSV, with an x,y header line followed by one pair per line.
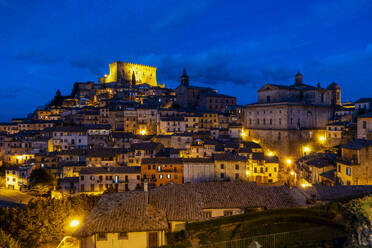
x,y
168,176
227,213
161,176
268,98
82,178
222,175
222,166
348,171
236,176
364,124
271,121
208,214
92,187
92,178
123,235
101,236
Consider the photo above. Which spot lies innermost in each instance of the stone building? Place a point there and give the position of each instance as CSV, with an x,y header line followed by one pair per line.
x,y
204,98
99,179
354,166
286,117
364,126
130,74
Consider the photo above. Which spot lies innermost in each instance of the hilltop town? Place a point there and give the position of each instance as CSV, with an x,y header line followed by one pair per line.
x,y
167,157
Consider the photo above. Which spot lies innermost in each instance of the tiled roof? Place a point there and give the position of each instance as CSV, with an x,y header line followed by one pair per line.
x,y
319,162
161,161
336,192
126,211
357,144
364,100
111,170
227,156
145,146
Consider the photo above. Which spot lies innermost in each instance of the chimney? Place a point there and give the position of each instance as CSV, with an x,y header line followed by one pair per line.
x,y
146,186
146,190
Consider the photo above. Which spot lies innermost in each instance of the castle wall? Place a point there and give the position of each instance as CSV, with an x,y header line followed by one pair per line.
x,y
122,72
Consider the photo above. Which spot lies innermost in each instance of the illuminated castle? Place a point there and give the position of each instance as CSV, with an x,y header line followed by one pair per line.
x,y
130,74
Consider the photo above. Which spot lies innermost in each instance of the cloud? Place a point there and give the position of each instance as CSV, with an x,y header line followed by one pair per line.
x,y
93,65
218,67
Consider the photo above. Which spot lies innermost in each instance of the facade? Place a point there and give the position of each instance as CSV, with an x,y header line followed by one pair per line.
x,y
286,117
16,177
230,166
364,126
202,98
263,169
130,74
354,166
196,170
162,171
99,179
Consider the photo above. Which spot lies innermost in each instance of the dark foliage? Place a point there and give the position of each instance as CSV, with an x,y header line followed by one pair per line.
x,y
44,220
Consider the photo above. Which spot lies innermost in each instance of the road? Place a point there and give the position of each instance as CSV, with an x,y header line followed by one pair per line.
x,y
14,196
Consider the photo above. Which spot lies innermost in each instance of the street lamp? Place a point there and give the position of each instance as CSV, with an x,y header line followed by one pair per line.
x,y
288,161
74,223
270,154
143,132
243,133
321,139
306,149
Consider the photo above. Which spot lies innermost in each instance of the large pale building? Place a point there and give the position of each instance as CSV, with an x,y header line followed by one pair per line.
x,y
130,74
287,117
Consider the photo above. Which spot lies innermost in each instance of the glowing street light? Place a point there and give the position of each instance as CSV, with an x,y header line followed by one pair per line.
x,y
143,132
292,173
270,154
321,138
74,223
243,133
307,149
288,161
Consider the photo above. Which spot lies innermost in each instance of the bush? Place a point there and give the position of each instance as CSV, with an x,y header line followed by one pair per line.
x,y
44,220
6,241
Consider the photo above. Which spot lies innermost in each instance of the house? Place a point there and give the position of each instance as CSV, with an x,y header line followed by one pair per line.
x,y
141,219
197,170
162,171
230,166
99,179
17,177
364,126
364,104
354,166
263,169
138,151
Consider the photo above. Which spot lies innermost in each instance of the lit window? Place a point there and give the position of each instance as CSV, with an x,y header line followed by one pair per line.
x,y
161,176
168,176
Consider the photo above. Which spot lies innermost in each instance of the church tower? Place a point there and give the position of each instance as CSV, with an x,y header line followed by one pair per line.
x,y
298,79
184,78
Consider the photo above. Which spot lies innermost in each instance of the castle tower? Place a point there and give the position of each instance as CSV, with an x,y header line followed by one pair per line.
x,y
184,78
298,79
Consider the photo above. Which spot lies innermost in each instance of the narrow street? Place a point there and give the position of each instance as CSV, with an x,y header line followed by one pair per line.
x,y
14,196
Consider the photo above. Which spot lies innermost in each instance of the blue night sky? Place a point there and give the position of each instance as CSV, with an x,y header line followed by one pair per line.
x,y
233,46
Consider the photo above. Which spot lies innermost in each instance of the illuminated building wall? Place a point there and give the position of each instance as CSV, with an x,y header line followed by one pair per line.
x,y
123,72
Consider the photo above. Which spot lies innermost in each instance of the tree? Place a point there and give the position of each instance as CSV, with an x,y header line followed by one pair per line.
x,y
41,180
7,241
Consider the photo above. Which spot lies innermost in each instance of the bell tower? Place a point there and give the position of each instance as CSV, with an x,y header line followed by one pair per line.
x,y
184,78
